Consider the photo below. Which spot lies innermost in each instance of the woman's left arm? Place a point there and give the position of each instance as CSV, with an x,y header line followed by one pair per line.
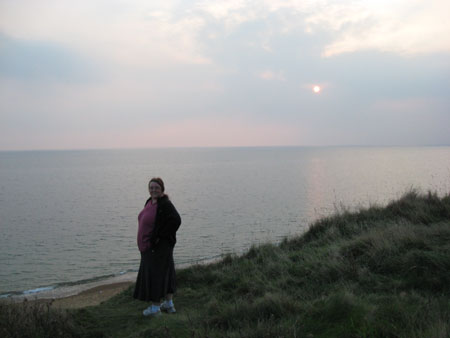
x,y
172,220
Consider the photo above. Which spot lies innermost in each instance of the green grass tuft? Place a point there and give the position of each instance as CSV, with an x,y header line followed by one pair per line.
x,y
34,320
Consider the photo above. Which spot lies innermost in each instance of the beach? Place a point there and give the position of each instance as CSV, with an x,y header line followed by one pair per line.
x,y
87,297
87,294
79,295
90,297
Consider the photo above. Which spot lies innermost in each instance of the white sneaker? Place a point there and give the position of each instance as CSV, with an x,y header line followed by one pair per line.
x,y
168,308
151,312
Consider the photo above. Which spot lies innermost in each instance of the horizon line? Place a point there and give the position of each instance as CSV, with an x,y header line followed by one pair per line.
x,y
231,147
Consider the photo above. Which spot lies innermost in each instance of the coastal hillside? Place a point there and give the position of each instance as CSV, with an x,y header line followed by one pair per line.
x,y
377,272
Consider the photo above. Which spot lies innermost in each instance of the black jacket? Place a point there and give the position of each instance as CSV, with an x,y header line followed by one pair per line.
x,y
167,222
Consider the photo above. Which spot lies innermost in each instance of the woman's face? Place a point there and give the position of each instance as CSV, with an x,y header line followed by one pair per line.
x,y
155,190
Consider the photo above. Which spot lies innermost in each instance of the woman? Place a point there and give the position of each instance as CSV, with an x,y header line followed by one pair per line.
x,y
158,224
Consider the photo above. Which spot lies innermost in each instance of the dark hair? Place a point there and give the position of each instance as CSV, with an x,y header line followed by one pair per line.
x,y
157,180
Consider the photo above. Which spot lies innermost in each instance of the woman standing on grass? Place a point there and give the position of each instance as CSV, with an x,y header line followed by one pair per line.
x,y
158,224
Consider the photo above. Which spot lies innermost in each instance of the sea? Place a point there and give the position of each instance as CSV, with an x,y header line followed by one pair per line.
x,y
68,219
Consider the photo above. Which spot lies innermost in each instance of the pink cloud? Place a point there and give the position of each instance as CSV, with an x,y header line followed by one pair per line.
x,y
219,132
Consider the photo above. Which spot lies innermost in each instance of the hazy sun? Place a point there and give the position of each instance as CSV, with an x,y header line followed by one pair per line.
x,y
316,89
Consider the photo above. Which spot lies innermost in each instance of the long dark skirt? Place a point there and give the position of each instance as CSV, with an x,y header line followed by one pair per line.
x,y
156,276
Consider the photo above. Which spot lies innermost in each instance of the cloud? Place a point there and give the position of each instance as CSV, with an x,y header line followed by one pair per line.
x,y
270,75
175,39
163,33
43,61
219,131
201,69
402,27
221,10
205,132
140,33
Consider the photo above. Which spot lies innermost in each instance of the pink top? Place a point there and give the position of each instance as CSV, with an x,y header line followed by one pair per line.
x,y
146,220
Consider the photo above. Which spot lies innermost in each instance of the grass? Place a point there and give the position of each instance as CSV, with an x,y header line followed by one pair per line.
x,y
378,272
34,319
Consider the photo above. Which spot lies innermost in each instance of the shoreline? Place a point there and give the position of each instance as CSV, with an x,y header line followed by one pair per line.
x,y
89,297
89,294
80,295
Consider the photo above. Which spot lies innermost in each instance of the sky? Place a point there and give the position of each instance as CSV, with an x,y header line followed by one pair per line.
x,y
94,74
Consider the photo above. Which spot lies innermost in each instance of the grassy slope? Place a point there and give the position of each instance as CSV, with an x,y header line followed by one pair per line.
x,y
379,272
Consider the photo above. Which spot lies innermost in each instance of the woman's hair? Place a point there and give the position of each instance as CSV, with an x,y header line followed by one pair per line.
x,y
157,180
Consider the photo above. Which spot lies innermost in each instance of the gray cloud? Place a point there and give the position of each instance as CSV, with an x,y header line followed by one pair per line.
x,y
43,61
193,70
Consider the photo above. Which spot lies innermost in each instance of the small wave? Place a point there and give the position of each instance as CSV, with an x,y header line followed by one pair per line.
x,y
97,278
85,281
46,288
127,271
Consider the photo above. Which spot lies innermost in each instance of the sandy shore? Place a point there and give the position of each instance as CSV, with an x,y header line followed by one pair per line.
x,y
90,294
89,297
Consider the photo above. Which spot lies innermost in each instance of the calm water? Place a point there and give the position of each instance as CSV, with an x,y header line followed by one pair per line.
x,y
71,216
